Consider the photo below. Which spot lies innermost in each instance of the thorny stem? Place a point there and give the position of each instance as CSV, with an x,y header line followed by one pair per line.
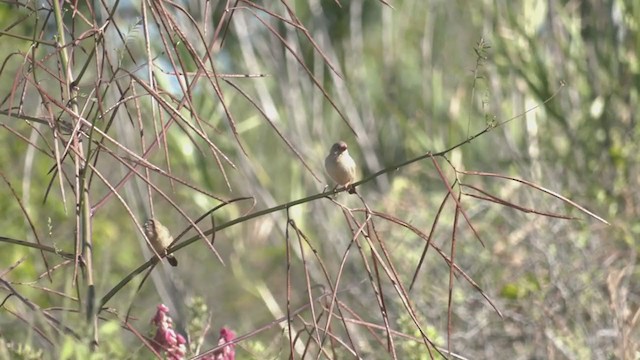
x,y
83,220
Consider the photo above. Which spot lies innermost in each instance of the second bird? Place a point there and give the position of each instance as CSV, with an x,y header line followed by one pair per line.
x,y
160,238
340,166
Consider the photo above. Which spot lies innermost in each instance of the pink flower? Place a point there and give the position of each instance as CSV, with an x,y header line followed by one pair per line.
x,y
173,345
161,314
178,351
166,338
228,352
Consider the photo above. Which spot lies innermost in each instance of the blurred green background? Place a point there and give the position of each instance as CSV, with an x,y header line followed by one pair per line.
x,y
409,78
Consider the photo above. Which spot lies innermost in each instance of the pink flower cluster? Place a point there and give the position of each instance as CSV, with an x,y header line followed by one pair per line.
x,y
166,338
228,352
174,345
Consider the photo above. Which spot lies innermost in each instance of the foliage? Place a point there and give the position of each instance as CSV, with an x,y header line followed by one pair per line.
x,y
495,141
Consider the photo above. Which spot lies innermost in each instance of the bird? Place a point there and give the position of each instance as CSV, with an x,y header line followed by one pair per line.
x,y
160,238
341,167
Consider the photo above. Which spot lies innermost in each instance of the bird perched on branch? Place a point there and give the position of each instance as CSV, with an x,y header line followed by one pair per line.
x,y
341,167
160,238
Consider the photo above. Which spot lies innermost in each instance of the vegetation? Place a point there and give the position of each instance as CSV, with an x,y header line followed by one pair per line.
x,y
496,213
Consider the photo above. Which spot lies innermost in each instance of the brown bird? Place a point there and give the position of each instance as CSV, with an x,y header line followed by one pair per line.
x,y
160,238
340,166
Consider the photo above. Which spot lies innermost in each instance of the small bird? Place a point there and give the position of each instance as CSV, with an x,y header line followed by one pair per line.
x,y
160,238
341,167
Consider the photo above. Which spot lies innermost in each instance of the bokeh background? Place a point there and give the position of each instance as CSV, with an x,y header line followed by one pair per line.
x,y
277,84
